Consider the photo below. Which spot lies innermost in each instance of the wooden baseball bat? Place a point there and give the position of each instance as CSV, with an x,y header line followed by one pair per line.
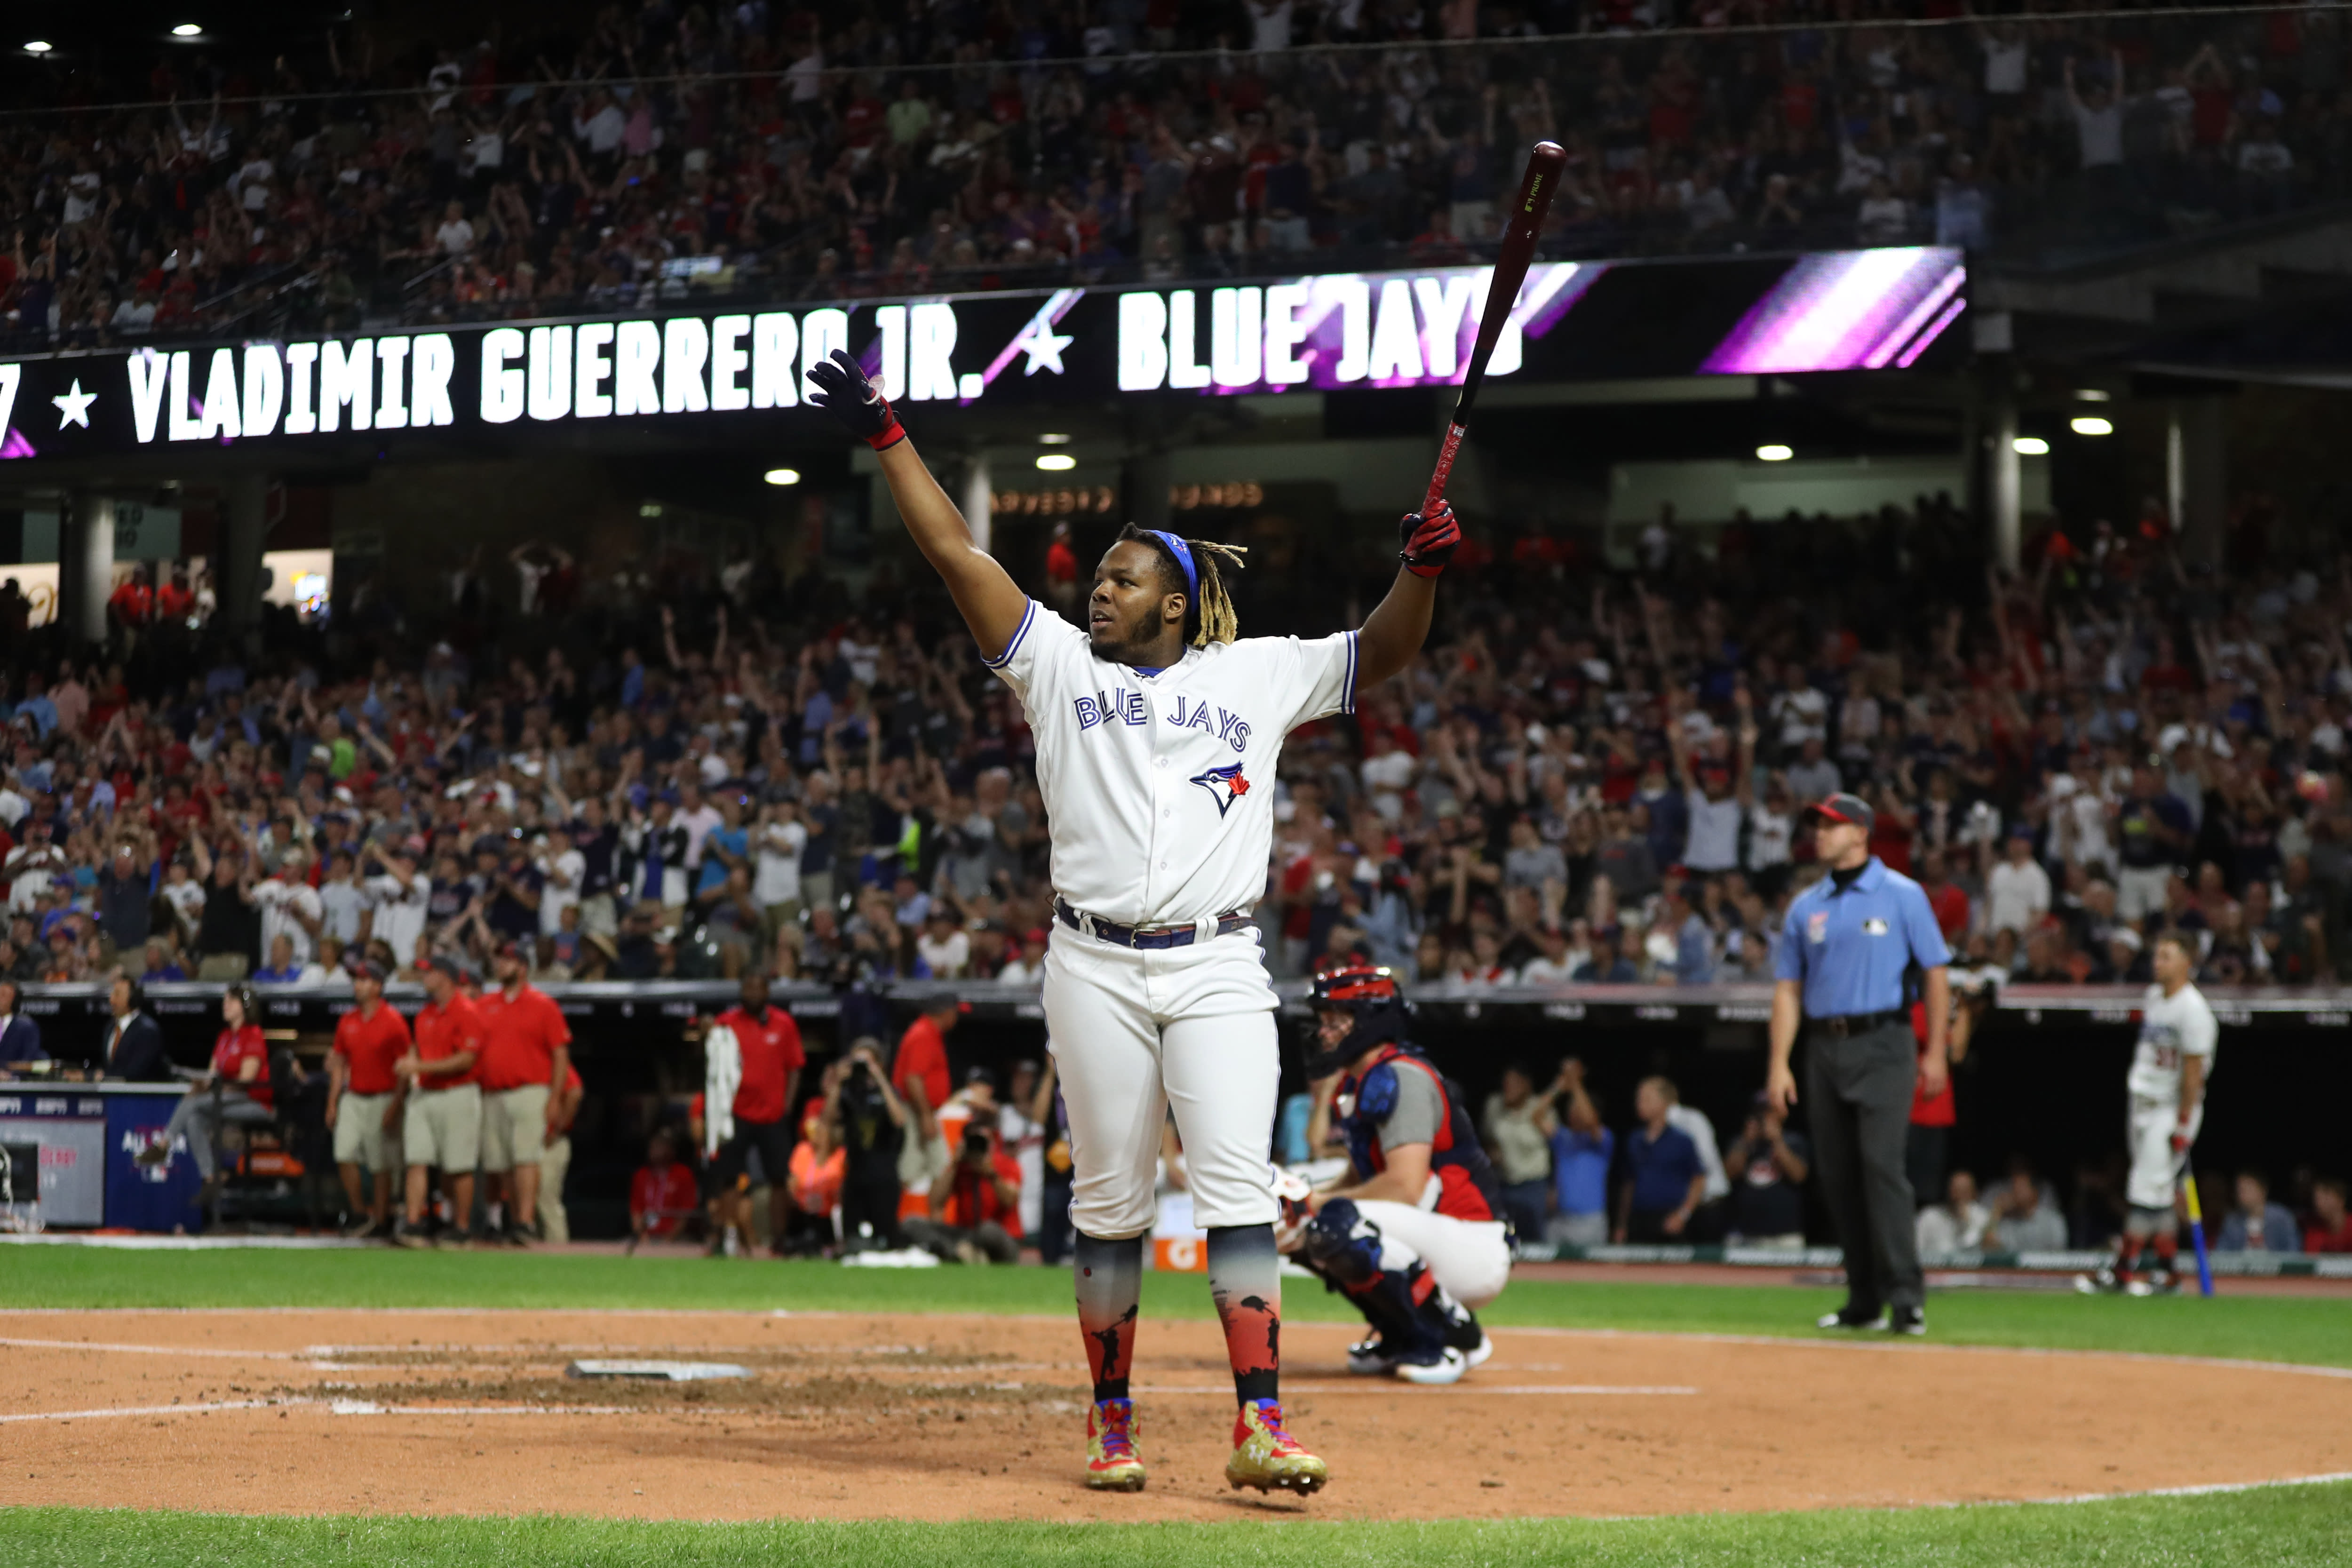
x,y
1527,216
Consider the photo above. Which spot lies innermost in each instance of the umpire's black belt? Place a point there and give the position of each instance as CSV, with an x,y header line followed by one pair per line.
x,y
1846,1024
1144,936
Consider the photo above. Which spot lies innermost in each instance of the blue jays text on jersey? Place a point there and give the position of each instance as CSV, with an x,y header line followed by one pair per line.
x,y
1128,706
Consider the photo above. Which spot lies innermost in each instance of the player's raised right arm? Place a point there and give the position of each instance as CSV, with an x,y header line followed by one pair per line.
x,y
992,604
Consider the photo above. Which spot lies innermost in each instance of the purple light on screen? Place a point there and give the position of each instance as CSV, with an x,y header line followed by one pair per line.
x,y
1847,310
1951,313
17,445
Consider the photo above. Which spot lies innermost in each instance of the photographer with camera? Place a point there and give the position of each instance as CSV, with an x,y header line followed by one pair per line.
x,y
975,1204
866,1118
1767,1165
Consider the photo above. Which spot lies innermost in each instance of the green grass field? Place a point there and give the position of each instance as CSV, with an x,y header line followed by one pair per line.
x,y
2286,1527
2289,1525
2261,1328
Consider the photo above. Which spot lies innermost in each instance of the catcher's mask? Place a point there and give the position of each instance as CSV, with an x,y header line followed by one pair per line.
x,y
1379,1009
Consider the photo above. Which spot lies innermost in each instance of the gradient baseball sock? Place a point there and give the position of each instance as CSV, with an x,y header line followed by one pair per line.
x,y
1245,1281
1110,1277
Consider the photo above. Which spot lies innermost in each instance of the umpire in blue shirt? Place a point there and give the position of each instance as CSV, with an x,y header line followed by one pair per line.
x,y
1847,950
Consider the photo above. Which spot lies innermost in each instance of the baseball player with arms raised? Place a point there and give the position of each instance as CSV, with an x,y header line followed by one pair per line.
x,y
1157,732
2171,1067
1413,1233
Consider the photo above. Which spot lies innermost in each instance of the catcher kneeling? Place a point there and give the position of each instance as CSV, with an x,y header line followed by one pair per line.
x,y
1413,1233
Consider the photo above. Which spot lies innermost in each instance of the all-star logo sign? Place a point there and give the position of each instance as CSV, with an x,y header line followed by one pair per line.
x,y
1225,786
136,1140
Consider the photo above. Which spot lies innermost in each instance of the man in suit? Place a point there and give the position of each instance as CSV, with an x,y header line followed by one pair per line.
x,y
134,1044
20,1038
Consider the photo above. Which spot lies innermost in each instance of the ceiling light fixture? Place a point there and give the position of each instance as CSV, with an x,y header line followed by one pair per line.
x,y
2092,424
1773,452
2030,447
782,476
187,30
1056,462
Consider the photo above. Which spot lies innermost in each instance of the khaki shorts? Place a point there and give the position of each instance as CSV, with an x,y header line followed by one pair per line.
x,y
360,1137
514,1126
920,1161
444,1128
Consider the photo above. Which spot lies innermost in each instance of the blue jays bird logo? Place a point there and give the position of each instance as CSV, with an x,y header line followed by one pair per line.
x,y
1225,783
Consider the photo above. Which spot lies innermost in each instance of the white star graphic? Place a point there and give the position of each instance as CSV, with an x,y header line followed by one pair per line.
x,y
73,407
1044,348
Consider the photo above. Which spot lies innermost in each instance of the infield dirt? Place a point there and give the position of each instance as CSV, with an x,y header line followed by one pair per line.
x,y
947,1417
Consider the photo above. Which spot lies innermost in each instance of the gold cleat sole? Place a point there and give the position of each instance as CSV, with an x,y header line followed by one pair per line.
x,y
1132,1482
1305,1484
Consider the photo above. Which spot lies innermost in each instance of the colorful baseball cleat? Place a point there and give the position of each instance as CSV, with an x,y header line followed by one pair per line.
x,y
1267,1457
1112,1465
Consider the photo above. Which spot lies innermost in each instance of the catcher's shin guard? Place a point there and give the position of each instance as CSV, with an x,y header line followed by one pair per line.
x,y
1400,1298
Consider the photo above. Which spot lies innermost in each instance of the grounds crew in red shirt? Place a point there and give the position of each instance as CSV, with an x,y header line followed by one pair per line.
x,y
443,1126
769,1042
366,1099
1926,1152
527,1048
920,1073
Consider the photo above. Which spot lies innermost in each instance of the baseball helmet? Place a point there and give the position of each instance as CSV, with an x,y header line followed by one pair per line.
x,y
1373,995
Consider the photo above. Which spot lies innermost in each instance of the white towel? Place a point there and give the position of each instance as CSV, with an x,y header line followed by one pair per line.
x,y
722,1073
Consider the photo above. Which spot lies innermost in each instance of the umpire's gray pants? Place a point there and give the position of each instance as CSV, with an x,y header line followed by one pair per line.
x,y
1858,1107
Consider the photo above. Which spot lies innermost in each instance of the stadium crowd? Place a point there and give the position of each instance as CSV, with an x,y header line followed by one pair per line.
x,y
1589,778
320,181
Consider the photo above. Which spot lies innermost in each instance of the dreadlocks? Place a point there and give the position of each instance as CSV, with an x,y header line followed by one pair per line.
x,y
1208,616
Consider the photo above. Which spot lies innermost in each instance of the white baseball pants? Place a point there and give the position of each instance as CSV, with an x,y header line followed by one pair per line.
x,y
1471,1259
1137,1034
2154,1168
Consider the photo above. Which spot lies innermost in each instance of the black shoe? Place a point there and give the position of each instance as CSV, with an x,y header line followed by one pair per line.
x,y
1908,1320
1851,1317
153,1155
208,1190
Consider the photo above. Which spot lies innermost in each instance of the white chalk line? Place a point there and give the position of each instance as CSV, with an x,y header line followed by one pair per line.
x,y
1893,1346
149,1350
204,1409
333,1408
1301,1387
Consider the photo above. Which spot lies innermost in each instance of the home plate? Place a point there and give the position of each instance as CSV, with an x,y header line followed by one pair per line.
x,y
664,1371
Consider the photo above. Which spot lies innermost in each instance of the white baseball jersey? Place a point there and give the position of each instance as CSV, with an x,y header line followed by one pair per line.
x,y
2171,1027
1160,787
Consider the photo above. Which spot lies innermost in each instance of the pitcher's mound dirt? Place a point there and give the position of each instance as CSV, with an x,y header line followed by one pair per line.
x,y
948,1417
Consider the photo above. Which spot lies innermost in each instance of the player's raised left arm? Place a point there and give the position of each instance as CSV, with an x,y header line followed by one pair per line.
x,y
1392,633
992,605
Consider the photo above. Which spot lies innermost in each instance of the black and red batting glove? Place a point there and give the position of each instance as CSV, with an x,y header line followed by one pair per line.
x,y
854,399
1429,541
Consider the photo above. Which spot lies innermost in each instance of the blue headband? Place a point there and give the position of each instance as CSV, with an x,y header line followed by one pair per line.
x,y
1183,554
